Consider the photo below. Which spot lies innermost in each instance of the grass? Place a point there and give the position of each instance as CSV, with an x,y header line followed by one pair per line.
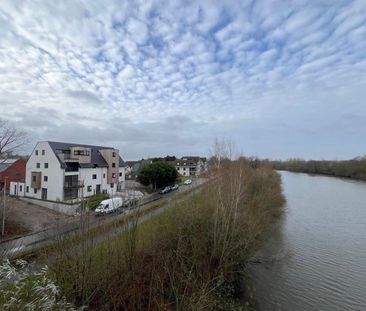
x,y
187,258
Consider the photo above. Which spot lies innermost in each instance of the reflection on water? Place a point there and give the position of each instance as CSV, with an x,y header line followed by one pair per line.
x,y
317,259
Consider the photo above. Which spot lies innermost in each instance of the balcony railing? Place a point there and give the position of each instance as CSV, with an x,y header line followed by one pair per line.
x,y
70,185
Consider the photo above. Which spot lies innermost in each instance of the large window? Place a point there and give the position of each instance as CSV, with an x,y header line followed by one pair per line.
x,y
81,152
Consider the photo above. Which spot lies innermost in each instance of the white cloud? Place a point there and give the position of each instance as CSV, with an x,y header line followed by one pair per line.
x,y
216,68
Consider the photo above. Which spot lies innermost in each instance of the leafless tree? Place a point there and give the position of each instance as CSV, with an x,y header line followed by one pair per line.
x,y
11,139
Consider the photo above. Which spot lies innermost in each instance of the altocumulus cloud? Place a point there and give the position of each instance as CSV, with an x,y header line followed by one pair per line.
x,y
282,78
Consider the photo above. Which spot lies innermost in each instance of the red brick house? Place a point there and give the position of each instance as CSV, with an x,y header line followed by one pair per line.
x,y
13,169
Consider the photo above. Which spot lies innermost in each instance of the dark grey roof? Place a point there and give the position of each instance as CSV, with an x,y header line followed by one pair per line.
x,y
96,157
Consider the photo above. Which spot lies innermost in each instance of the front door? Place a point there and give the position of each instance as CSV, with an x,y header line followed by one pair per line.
x,y
97,189
44,193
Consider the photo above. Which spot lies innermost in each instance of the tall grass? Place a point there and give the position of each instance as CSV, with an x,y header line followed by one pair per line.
x,y
187,258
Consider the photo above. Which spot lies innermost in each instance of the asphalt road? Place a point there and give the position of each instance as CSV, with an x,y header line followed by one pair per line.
x,y
13,247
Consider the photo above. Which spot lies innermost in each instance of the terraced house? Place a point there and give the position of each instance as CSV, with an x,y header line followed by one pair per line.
x,y
59,171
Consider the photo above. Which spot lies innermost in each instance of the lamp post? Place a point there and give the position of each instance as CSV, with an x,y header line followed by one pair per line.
x,y
3,223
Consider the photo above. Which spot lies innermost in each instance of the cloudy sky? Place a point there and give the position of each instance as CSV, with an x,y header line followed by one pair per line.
x,y
279,78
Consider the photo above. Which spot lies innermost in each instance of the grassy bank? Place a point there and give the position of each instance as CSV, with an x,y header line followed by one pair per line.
x,y
190,257
187,258
355,169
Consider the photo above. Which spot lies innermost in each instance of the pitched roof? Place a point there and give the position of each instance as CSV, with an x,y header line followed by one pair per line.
x,y
5,163
96,157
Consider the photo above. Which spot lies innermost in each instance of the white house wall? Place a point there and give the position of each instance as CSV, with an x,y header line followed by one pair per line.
x,y
55,174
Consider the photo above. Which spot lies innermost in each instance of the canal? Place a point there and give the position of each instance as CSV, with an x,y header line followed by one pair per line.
x,y
316,259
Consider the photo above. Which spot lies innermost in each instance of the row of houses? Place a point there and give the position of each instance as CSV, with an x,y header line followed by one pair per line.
x,y
186,166
66,172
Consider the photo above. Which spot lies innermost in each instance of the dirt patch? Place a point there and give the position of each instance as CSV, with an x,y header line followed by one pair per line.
x,y
23,217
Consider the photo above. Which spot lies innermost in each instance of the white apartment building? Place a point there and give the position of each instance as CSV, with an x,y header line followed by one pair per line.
x,y
190,166
59,171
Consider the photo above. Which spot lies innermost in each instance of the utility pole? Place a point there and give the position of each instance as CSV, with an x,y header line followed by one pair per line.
x,y
3,224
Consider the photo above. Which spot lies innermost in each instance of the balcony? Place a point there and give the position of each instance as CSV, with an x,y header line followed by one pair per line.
x,y
69,185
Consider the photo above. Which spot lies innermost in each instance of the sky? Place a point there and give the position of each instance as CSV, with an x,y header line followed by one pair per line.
x,y
279,79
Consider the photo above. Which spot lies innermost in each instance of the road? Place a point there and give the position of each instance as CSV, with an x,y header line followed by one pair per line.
x,y
25,243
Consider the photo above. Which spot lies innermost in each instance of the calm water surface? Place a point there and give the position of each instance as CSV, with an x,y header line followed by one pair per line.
x,y
317,259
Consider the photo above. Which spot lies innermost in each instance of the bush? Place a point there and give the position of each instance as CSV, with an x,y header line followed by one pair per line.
x,y
158,174
187,258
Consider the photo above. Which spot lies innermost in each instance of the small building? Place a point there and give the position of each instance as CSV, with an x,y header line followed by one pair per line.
x,y
191,165
11,170
134,167
65,172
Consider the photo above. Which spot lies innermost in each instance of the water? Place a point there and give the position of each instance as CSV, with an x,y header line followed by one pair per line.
x,y
317,258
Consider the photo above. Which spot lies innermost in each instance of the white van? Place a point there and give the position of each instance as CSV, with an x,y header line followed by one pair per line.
x,y
108,206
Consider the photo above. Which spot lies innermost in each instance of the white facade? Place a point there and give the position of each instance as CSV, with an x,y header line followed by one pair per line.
x,y
17,188
41,157
191,166
52,177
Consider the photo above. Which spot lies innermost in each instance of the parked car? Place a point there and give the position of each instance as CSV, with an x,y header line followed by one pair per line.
x,y
108,206
126,202
165,190
174,187
188,182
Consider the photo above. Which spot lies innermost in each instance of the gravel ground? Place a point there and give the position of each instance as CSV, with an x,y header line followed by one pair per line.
x,y
31,217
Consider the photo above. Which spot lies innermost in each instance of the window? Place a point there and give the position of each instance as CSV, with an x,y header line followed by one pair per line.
x,y
114,175
46,165
184,168
112,185
94,176
43,152
104,175
89,188
36,152
81,152
35,191
20,188
113,154
38,165
27,188
34,178
45,178
120,174
113,164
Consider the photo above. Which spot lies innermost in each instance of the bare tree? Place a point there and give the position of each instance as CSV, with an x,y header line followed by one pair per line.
x,y
11,139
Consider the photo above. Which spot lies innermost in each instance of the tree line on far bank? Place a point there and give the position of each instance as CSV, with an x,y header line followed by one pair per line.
x,y
355,168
